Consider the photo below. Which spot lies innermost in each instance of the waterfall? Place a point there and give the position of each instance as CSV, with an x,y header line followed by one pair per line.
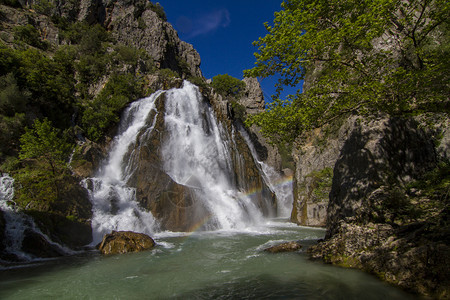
x,y
17,223
114,202
280,185
197,155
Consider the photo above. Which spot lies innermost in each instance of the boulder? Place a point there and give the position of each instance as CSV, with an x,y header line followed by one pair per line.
x,y
119,242
284,247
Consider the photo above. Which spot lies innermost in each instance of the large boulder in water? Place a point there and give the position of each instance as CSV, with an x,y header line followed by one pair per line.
x,y
118,242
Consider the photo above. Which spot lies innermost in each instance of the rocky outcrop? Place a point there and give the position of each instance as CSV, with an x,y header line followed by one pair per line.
x,y
132,22
253,102
375,220
87,158
135,23
377,156
315,155
120,242
402,256
253,97
284,247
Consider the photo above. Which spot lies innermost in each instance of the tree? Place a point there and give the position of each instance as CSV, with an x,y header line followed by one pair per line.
x,y
44,153
227,85
357,57
43,142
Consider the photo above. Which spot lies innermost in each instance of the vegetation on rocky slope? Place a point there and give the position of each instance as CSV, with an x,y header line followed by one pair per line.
x,y
356,57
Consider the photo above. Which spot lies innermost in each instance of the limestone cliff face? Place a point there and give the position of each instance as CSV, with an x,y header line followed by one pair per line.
x,y
131,22
376,156
314,161
253,102
374,220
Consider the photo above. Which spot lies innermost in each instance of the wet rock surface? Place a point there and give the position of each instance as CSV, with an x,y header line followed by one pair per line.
x,y
119,242
284,247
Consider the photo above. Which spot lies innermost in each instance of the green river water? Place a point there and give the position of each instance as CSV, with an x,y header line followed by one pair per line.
x,y
202,265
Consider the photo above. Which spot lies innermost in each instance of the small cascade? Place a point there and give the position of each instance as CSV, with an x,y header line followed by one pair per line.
x,y
18,223
114,202
197,155
280,185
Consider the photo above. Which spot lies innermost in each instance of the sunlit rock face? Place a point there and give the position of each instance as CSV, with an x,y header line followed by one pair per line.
x,y
120,242
133,23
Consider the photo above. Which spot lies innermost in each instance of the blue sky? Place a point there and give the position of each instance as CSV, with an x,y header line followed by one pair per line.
x,y
222,32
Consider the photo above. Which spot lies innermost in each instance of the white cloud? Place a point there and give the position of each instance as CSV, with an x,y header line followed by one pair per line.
x,y
203,24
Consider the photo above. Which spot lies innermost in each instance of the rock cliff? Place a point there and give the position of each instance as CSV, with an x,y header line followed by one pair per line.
x,y
387,212
137,23
253,102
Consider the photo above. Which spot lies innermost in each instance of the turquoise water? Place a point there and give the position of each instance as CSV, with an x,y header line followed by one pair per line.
x,y
202,265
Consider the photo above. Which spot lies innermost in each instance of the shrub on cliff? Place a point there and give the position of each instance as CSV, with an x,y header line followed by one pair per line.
x,y
104,110
228,86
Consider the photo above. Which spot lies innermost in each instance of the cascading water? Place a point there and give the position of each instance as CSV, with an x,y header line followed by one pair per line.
x,y
197,155
280,185
17,223
114,202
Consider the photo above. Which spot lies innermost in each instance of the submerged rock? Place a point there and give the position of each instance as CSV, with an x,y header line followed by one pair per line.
x,y
284,247
118,242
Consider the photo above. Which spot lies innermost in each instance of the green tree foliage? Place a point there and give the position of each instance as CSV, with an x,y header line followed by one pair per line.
x,y
11,129
12,99
44,142
357,56
158,9
44,152
104,110
13,3
44,7
29,35
227,85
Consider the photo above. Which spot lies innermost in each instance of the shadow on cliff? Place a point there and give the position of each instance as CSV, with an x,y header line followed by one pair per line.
x,y
376,159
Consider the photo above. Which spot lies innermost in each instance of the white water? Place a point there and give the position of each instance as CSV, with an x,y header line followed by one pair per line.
x,y
280,185
197,155
17,223
114,202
